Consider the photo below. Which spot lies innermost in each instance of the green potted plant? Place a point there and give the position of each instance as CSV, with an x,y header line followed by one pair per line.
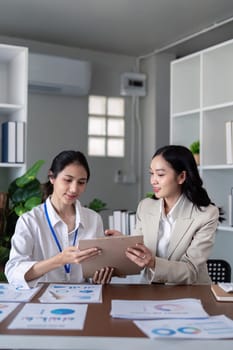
x,y
24,193
97,205
195,149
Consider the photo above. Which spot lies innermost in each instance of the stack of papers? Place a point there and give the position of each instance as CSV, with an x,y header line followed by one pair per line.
x,y
220,294
152,309
72,293
227,287
10,293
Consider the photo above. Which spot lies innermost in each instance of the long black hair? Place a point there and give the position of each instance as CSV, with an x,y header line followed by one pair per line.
x,y
181,159
59,163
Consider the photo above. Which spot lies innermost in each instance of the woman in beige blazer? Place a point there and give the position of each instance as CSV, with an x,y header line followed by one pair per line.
x,y
178,224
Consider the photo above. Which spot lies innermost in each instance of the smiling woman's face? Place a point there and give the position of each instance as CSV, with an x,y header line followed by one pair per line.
x,y
69,184
164,180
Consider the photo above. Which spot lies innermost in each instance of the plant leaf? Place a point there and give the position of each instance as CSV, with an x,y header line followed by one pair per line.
x,y
97,205
30,174
150,195
20,209
31,189
32,202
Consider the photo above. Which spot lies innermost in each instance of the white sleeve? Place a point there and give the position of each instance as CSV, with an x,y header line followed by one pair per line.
x,y
20,255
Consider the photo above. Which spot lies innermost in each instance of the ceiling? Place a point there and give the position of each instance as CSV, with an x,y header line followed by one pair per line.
x,y
131,27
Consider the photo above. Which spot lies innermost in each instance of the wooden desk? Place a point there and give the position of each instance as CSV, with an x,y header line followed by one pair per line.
x,y
100,324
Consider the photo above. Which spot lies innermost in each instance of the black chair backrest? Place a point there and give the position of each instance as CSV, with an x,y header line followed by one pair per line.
x,y
219,270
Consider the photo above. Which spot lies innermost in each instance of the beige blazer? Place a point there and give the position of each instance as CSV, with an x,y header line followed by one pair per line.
x,y
190,244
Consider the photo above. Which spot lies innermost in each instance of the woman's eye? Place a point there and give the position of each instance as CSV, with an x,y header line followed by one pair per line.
x,y
82,183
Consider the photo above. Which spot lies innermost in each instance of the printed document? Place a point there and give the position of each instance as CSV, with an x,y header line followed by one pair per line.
x,y
152,309
10,293
214,327
50,316
72,293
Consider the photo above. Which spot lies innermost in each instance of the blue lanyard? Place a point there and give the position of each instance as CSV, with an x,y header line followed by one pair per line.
x,y
66,266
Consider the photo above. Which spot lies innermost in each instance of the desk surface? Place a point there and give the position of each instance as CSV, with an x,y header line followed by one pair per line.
x,y
100,324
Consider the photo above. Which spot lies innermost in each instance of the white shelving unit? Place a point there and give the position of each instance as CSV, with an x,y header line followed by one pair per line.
x,y
201,103
13,101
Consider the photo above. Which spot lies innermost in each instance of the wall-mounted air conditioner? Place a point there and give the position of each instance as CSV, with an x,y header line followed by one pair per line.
x,y
58,75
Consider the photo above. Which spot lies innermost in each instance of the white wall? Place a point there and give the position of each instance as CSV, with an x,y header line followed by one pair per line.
x,y
155,110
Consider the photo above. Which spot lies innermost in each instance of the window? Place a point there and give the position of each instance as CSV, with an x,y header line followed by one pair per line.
x,y
106,126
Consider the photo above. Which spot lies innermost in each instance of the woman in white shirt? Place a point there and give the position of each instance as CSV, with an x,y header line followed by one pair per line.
x,y
178,224
45,243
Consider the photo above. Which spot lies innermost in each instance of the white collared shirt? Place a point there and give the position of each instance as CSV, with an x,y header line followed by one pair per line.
x,y
166,227
33,242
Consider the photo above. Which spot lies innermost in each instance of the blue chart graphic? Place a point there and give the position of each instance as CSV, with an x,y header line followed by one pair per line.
x,y
163,331
169,307
85,297
84,294
189,330
62,311
74,291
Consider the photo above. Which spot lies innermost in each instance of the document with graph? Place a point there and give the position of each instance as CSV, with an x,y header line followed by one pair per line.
x,y
152,309
213,327
72,293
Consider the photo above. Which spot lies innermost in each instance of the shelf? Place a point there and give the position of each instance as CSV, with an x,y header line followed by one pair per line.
x,y
9,108
217,167
9,52
218,106
225,228
218,75
185,96
186,113
12,165
201,104
13,104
